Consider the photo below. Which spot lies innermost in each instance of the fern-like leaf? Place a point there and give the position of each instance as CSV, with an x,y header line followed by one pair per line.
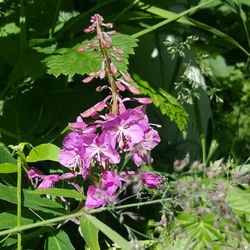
x,y
167,104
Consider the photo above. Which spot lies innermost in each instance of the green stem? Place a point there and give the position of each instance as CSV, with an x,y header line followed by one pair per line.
x,y
19,201
75,215
200,130
52,30
242,14
175,18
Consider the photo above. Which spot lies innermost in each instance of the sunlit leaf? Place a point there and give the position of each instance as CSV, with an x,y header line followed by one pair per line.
x,y
199,231
109,232
70,61
8,193
8,29
44,152
239,200
6,168
60,192
59,241
167,104
9,219
89,233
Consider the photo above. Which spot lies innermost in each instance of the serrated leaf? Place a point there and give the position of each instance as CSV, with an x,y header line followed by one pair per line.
x,y
5,155
70,62
199,231
89,233
9,29
60,192
44,152
7,168
64,17
109,232
238,200
167,104
60,241
8,193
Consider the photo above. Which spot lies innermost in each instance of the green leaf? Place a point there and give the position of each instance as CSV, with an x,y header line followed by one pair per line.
x,y
60,192
5,155
8,193
44,152
89,233
173,18
60,241
180,18
9,219
199,231
7,168
167,104
8,29
239,200
70,62
110,233
219,67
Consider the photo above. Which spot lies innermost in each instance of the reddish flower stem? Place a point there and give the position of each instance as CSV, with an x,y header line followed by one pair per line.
x,y
111,79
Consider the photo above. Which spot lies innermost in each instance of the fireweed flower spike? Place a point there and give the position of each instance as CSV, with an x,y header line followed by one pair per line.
x,y
106,134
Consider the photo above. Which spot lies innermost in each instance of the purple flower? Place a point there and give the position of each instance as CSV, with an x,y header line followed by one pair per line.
x,y
150,180
141,151
41,180
48,181
124,128
101,151
70,155
96,197
111,182
73,152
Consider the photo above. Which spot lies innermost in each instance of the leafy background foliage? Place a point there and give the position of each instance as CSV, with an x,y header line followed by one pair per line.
x,y
41,91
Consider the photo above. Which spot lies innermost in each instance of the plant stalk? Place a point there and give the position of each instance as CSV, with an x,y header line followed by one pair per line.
x,y
111,79
78,214
19,201
52,30
200,130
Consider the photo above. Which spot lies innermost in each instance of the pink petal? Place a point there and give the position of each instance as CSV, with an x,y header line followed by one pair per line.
x,y
144,100
87,79
120,86
89,112
134,90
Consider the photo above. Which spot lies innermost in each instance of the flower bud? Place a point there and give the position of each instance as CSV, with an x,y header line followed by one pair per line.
x,y
87,79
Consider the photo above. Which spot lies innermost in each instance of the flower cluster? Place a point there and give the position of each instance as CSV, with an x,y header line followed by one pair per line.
x,y
128,133
113,133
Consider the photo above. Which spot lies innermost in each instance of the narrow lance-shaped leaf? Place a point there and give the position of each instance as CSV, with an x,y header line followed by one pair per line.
x,y
7,168
60,192
8,193
89,232
109,232
181,18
